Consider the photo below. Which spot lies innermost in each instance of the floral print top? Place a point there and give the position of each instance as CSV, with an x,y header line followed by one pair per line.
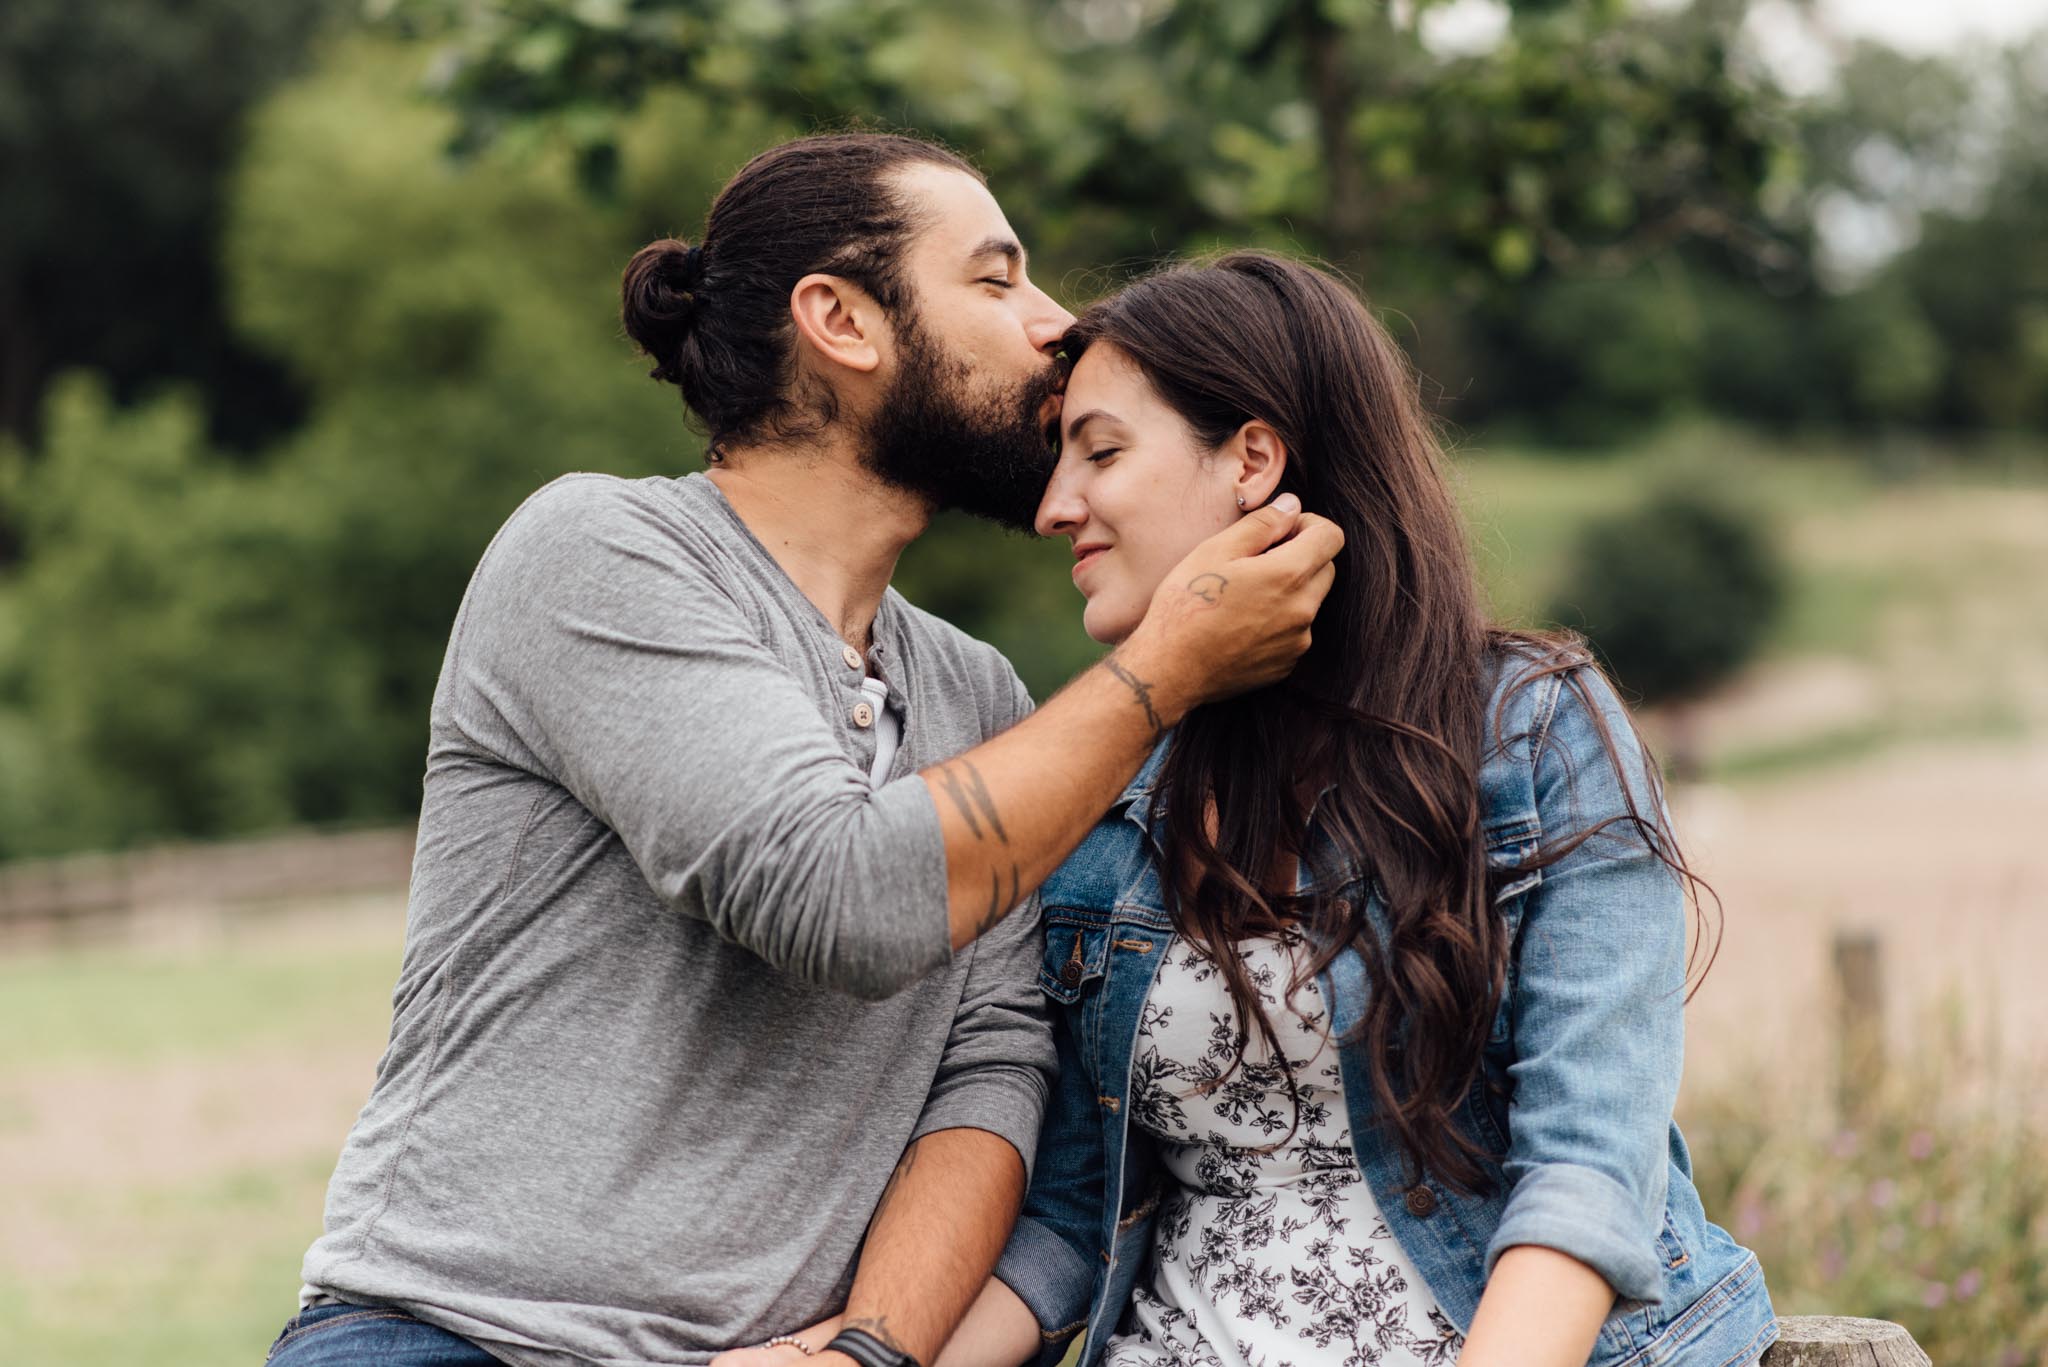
x,y
1269,1250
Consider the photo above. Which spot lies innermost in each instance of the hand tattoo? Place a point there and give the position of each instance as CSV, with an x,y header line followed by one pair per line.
x,y
1208,587
1139,689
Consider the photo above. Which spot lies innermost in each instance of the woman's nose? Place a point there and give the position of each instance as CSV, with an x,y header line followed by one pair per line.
x,y
1061,511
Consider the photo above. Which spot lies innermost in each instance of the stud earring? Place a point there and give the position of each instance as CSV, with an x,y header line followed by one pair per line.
x,y
1240,500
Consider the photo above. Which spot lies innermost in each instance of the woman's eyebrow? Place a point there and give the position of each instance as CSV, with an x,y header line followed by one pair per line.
x,y
1074,427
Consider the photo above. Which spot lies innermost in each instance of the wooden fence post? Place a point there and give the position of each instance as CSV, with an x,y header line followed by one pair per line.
x,y
1859,996
1834,1341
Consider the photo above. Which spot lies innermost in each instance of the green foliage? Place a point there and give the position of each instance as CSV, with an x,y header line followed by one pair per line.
x,y
1577,228
1677,593
1951,154
117,125
220,648
1592,128
175,686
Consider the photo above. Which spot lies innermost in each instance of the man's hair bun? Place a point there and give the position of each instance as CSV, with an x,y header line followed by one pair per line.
x,y
660,297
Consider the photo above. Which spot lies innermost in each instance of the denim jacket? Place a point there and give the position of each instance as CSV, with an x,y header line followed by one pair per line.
x,y
1585,1053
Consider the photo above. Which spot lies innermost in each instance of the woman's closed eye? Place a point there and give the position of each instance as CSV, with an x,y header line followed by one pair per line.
x,y
1095,457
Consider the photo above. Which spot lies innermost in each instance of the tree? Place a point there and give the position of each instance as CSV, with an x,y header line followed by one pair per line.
x,y
117,127
1590,136
160,676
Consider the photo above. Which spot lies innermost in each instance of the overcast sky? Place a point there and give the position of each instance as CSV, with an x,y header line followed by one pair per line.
x,y
1788,39
1793,48
1935,24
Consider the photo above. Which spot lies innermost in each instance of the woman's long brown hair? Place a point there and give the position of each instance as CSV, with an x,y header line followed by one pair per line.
x,y
1386,711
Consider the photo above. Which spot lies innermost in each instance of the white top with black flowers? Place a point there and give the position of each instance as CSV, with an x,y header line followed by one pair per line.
x,y
1269,1249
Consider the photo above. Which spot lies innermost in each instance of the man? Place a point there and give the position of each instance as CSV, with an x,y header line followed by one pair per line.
x,y
710,1023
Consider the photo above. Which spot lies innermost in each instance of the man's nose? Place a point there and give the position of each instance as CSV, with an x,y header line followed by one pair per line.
x,y
1048,324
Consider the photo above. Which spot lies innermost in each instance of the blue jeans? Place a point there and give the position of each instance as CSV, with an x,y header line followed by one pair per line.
x,y
370,1336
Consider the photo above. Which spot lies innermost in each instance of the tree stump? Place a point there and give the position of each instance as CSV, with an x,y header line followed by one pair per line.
x,y
1836,1341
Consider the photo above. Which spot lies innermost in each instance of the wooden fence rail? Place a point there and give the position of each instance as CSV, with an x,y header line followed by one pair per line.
x,y
76,889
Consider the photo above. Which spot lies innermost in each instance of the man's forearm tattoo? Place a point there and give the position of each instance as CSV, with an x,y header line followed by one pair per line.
x,y
971,798
979,790
959,796
1141,690
1208,587
902,1170
998,905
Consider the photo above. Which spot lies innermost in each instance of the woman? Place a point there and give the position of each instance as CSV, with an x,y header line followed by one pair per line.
x,y
1369,992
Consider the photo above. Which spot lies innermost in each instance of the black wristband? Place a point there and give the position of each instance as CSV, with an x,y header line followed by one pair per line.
x,y
868,1350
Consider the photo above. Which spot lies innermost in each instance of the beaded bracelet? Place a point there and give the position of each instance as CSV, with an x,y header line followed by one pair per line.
x,y
793,1341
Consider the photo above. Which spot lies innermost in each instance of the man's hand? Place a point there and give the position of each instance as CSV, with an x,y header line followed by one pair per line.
x,y
1234,615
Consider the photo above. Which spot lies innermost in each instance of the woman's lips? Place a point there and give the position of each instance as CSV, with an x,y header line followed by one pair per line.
x,y
1086,558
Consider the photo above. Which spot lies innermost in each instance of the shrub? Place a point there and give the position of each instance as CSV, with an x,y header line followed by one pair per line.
x,y
1677,593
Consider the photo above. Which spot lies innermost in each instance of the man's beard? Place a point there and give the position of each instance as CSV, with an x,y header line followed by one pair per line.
x,y
987,456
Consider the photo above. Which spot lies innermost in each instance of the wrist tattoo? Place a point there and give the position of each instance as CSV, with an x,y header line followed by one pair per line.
x,y
1208,587
878,1325
1141,690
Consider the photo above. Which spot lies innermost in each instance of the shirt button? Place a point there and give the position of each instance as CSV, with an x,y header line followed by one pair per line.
x,y
863,715
1421,1202
852,657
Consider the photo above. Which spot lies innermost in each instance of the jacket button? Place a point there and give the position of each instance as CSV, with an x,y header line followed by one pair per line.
x,y
1421,1202
1070,973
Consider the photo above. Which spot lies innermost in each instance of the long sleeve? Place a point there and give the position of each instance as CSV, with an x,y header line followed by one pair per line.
x,y
596,648
1598,1013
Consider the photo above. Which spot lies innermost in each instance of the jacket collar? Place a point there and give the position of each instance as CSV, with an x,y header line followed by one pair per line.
x,y
1139,789
1147,778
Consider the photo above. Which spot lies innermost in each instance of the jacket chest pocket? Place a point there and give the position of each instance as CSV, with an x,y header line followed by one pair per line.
x,y
1075,955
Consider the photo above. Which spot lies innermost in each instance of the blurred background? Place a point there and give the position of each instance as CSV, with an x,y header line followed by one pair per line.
x,y
1736,314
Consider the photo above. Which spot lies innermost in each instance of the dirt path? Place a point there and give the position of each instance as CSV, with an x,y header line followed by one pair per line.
x,y
1940,852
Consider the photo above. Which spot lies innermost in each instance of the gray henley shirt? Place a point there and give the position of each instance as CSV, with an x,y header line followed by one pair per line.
x,y
677,987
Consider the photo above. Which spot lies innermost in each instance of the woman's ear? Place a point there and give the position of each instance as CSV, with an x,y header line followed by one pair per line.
x,y
1261,459
837,321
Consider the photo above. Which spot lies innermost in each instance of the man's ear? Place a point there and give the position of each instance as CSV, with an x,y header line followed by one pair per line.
x,y
838,322
1261,458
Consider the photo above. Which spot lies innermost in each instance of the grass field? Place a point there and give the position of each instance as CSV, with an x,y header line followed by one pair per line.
x,y
169,1110
168,1119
